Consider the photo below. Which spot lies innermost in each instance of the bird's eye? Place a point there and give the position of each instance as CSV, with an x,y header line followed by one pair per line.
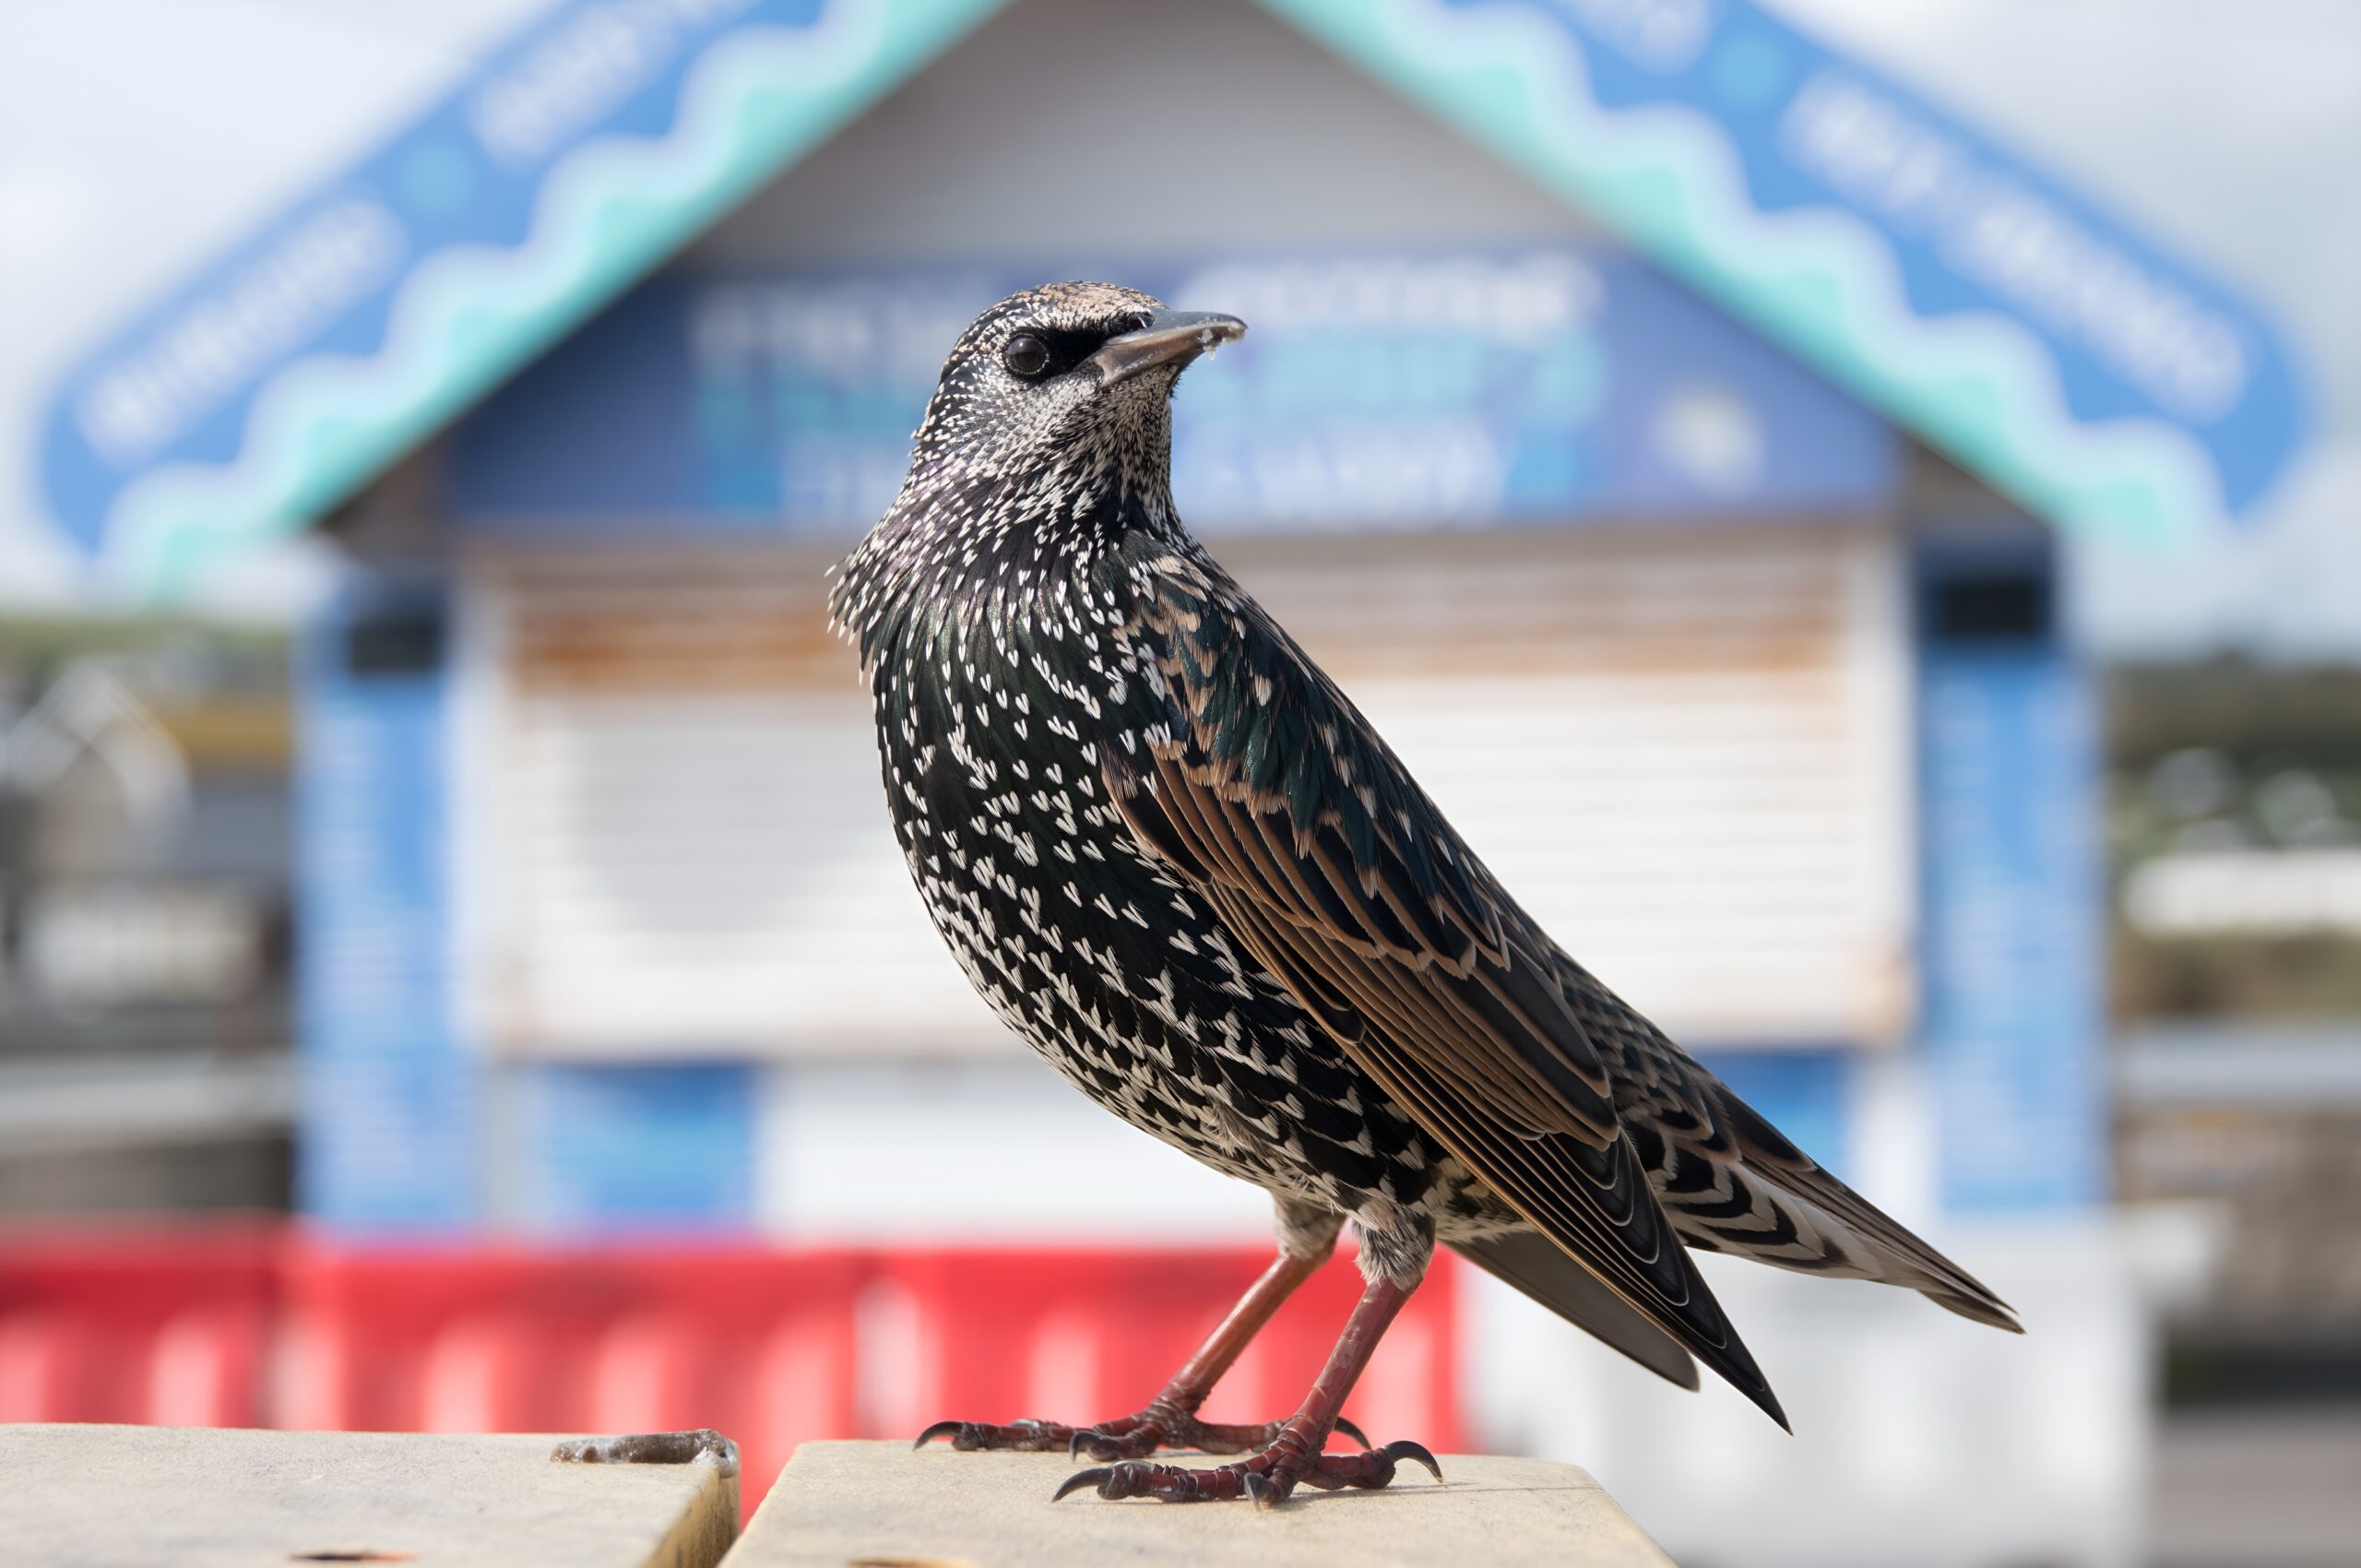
x,y
1138,321
1024,355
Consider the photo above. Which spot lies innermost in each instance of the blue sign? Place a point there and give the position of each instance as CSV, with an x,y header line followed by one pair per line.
x,y
1404,390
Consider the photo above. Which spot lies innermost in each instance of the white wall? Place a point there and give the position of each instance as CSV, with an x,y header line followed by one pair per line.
x,y
1920,1438
1051,133
881,1152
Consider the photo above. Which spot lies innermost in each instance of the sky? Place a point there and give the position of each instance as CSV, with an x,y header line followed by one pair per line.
x,y
138,136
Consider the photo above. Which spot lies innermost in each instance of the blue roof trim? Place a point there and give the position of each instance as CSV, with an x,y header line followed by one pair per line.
x,y
575,158
1937,276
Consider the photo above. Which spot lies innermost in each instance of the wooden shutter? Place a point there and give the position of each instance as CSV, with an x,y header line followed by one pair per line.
x,y
1685,751
679,811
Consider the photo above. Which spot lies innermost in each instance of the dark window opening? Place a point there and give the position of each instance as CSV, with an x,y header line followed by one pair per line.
x,y
2001,605
407,640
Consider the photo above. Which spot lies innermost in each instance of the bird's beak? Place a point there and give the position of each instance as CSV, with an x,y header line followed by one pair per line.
x,y
1170,338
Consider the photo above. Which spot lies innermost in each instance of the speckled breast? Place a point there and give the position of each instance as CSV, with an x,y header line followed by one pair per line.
x,y
1114,973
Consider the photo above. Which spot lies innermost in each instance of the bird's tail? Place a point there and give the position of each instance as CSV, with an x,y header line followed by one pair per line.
x,y
1800,1216
1541,1269
1730,1182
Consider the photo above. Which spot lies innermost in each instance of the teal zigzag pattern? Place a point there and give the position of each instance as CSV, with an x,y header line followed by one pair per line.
x,y
467,315
1981,387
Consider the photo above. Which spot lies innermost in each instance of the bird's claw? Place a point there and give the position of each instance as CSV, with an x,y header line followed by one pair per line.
x,y
1024,1436
1265,1479
1102,1477
1371,1467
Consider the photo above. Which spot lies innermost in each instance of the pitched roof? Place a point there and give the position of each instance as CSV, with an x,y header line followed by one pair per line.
x,y
1942,279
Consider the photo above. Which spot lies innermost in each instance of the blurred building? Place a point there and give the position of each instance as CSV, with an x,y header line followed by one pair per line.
x,y
2236,807
144,976
1664,447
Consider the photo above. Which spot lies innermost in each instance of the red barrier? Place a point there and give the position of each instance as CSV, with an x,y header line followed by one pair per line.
x,y
166,1325
187,1327
1080,1335
756,1341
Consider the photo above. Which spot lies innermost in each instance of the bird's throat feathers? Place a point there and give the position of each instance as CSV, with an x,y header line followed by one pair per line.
x,y
967,548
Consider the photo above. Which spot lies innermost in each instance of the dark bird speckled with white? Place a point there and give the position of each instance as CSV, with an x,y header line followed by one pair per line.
x,y
1174,857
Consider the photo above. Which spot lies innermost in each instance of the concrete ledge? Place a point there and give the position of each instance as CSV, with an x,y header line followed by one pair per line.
x,y
102,1496
879,1503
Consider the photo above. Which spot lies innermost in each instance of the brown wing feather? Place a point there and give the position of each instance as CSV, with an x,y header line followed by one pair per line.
x,y
1351,889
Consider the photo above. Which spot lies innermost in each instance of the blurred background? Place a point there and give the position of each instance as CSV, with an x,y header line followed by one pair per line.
x,y
1851,508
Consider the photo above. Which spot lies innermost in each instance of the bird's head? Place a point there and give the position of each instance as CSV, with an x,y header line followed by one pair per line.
x,y
1050,436
1068,377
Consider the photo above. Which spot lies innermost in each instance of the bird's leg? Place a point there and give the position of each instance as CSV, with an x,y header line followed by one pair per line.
x,y
1170,1421
1294,1453
1307,1237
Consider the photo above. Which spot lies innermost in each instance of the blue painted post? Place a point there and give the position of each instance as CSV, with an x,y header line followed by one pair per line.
x,y
2014,941
389,1098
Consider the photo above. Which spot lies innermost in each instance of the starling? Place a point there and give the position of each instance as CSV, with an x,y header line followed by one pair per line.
x,y
1175,857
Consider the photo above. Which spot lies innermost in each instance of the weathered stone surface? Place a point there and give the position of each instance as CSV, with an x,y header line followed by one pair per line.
x,y
103,1496
882,1503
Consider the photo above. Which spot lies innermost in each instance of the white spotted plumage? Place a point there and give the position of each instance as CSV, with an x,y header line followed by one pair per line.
x,y
1000,643
1027,615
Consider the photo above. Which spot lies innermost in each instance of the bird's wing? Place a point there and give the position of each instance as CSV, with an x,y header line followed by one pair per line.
x,y
1269,793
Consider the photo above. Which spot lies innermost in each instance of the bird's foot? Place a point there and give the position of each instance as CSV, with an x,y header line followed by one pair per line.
x,y
1161,1425
1265,1478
